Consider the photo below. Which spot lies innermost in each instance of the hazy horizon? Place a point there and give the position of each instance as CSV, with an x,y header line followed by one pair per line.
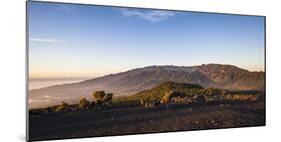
x,y
74,41
37,83
101,75
47,82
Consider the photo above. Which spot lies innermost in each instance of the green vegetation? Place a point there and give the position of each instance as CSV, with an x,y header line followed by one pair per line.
x,y
102,98
183,93
166,93
158,94
62,107
84,104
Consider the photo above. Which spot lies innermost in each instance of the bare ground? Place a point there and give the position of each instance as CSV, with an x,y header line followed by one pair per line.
x,y
146,120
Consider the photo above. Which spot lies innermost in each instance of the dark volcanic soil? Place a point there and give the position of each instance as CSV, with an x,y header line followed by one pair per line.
x,y
146,120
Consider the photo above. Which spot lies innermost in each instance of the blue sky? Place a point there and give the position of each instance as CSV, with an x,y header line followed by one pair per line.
x,y
68,40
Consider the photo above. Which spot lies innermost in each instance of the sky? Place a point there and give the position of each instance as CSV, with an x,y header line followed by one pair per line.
x,y
67,40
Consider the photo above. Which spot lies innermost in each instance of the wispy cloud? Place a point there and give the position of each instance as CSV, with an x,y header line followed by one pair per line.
x,y
65,7
46,40
149,15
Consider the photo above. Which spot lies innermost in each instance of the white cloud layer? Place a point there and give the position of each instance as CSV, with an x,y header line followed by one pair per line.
x,y
149,15
46,40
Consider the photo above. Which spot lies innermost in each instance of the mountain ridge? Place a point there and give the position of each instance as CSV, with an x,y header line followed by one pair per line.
x,y
139,79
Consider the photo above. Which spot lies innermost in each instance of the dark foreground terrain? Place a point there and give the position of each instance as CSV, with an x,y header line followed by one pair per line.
x,y
146,120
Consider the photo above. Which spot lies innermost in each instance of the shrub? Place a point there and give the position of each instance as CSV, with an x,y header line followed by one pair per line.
x,y
62,107
84,104
199,99
103,98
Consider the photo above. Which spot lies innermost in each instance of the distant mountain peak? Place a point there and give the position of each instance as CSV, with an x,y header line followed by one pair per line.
x,y
139,79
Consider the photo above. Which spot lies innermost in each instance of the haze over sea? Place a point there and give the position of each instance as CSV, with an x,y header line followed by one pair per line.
x,y
46,82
